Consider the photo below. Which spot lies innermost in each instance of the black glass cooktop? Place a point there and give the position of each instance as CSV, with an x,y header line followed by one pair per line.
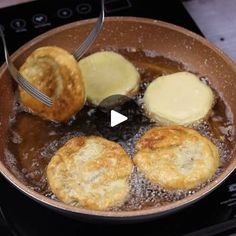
x,y
23,22
21,216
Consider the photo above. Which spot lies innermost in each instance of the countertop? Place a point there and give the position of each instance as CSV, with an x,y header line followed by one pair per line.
x,y
217,21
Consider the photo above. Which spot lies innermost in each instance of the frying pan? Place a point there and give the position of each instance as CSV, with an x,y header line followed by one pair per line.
x,y
168,40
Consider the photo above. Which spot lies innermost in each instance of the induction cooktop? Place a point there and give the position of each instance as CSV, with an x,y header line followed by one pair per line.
x,y
21,216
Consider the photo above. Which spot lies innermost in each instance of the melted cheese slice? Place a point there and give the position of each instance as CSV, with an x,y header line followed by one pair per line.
x,y
179,98
108,73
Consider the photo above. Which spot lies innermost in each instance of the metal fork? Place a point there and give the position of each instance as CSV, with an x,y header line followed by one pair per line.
x,y
21,80
78,53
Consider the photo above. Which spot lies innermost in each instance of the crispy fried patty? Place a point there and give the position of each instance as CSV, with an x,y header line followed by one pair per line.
x,y
90,172
55,72
176,157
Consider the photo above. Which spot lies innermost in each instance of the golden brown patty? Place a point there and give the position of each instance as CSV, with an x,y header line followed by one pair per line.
x,y
176,157
54,72
90,172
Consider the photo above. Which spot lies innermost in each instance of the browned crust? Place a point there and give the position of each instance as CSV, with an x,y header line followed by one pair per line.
x,y
98,180
58,76
176,157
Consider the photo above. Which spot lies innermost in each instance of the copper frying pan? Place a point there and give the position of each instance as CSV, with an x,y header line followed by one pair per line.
x,y
168,40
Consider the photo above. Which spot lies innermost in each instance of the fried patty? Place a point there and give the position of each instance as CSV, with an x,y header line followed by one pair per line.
x,y
108,73
178,99
175,157
55,72
90,172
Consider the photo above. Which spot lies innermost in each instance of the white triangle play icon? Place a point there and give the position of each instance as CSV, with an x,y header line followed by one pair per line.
x,y
117,118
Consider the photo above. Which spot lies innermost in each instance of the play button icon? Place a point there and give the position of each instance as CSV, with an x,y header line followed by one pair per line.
x,y
117,118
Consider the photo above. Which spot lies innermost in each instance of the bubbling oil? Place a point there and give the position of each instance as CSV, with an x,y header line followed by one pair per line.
x,y
33,141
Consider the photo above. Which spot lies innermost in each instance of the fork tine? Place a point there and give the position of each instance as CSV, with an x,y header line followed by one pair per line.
x,y
34,92
21,80
28,87
92,35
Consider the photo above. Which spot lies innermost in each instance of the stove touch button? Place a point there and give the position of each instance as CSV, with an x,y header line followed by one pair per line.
x,y
18,24
83,8
39,19
64,13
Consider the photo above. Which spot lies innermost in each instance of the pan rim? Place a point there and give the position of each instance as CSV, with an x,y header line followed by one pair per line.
x,y
158,210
